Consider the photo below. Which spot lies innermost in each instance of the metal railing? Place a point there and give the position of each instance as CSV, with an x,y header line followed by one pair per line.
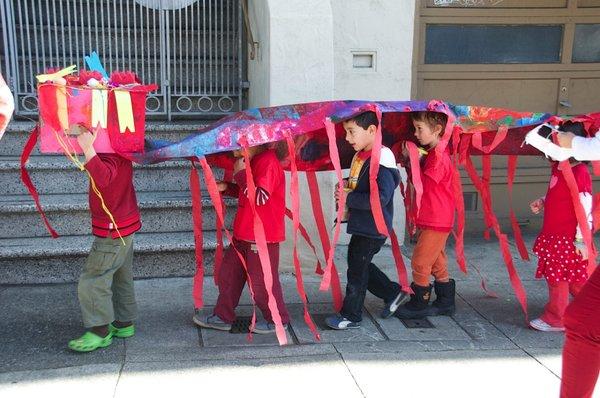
x,y
191,48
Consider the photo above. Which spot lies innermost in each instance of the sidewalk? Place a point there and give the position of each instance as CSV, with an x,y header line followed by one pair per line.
x,y
484,350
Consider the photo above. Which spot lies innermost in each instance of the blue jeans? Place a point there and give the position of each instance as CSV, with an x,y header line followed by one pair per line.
x,y
363,275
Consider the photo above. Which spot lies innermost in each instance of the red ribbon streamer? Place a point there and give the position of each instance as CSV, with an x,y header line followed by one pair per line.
x,y
315,199
213,192
483,187
512,167
296,223
582,221
263,251
306,236
27,180
374,197
335,160
198,281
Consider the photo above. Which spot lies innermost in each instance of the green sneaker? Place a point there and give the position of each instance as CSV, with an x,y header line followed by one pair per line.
x,y
125,332
90,342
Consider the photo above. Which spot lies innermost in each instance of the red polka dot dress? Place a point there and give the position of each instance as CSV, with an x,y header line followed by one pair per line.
x,y
557,258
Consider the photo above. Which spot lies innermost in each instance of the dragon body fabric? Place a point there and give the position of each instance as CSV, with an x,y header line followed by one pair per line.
x,y
311,139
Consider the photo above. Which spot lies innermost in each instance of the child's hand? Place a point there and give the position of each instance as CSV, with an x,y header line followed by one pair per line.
x,y
86,139
239,165
221,186
338,196
537,205
581,249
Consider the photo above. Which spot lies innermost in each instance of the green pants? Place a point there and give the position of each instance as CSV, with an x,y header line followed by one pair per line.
x,y
105,287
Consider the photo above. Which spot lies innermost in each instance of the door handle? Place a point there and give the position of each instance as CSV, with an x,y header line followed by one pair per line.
x,y
565,103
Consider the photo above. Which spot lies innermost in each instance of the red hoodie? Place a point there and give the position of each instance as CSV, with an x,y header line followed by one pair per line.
x,y
113,176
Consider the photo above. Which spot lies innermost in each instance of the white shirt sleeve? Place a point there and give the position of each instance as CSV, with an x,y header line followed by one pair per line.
x,y
586,148
586,202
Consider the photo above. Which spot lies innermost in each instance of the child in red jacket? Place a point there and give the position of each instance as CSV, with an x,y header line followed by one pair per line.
x,y
269,180
434,221
105,288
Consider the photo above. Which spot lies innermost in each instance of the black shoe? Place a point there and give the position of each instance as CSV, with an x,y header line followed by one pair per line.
x,y
444,298
391,307
418,306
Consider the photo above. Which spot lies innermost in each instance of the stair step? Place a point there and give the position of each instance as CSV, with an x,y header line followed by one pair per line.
x,y
52,174
47,260
69,214
17,133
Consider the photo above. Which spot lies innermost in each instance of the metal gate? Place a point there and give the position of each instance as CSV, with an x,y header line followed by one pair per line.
x,y
191,48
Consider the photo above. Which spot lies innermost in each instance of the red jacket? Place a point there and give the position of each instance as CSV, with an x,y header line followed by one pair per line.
x,y
437,203
270,199
113,176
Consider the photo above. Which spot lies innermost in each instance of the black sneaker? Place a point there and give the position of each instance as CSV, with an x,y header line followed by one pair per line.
x,y
339,322
391,307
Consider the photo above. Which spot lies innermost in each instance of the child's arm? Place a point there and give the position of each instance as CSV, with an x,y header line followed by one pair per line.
x,y
386,184
263,180
103,171
584,148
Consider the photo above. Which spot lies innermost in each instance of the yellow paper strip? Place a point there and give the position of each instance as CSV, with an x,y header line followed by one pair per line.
x,y
99,108
61,73
61,107
124,111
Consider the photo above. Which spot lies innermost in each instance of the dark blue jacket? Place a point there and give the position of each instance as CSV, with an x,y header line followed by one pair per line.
x,y
360,215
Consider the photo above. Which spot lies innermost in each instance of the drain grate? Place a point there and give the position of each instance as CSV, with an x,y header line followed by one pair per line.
x,y
241,325
417,323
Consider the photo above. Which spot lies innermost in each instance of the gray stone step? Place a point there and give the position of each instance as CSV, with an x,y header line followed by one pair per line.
x,y
69,214
47,260
17,133
56,174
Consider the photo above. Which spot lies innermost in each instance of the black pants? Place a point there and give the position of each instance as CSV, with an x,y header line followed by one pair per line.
x,y
363,275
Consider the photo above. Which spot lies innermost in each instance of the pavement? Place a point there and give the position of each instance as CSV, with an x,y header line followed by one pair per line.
x,y
485,349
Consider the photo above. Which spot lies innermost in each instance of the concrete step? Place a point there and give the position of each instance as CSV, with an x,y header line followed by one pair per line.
x,y
69,214
47,260
17,133
56,174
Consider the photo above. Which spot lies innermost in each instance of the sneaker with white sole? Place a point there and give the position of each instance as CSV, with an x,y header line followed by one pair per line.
x,y
211,322
391,307
339,322
542,326
264,327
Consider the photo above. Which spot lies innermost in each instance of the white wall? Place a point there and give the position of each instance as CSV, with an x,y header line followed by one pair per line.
x,y
384,27
305,55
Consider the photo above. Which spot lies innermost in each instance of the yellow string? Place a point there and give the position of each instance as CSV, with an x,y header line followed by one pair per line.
x,y
72,155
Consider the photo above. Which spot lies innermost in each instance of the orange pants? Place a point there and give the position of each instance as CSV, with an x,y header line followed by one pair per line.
x,y
429,257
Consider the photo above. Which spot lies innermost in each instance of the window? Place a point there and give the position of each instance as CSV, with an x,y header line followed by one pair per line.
x,y
586,46
493,44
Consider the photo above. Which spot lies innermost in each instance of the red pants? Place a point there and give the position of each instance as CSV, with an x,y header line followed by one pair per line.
x,y
558,300
232,278
581,354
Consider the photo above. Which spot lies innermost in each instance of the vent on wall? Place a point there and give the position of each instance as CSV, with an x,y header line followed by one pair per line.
x,y
471,201
364,60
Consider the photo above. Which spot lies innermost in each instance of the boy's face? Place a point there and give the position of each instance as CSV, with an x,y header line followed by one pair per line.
x,y
426,135
360,139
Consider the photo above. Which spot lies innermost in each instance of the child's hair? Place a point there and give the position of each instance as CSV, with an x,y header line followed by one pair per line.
x,y
574,127
568,127
365,119
431,118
